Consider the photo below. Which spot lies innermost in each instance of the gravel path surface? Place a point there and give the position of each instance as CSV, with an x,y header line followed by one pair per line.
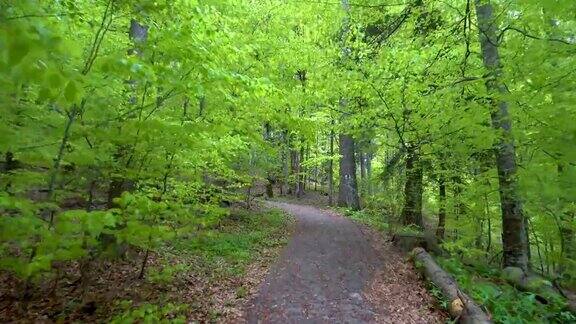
x,y
333,271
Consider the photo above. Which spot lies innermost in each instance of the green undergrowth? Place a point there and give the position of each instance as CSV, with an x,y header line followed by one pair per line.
x,y
150,313
217,254
505,303
368,217
231,245
379,221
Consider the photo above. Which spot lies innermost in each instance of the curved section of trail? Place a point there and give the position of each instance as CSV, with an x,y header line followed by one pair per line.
x,y
332,271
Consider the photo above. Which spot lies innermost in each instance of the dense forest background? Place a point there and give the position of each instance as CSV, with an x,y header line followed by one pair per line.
x,y
128,125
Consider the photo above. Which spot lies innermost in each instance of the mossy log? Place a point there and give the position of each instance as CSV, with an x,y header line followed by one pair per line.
x,y
542,288
462,307
406,242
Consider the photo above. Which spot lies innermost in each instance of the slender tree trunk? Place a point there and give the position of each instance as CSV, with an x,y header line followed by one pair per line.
x,y
302,178
460,208
566,222
547,256
201,106
348,188
369,173
142,272
489,234
270,177
514,232
298,191
331,170
412,211
441,230
362,166
286,164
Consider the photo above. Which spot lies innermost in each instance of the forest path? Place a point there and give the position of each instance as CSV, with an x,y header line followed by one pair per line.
x,y
334,271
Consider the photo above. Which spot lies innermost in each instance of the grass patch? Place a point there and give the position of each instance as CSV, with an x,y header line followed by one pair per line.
x,y
368,217
236,241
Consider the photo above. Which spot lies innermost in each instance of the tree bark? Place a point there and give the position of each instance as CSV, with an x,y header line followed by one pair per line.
x,y
331,170
368,173
461,306
298,191
441,230
348,188
514,234
285,164
412,210
566,223
362,166
270,189
302,177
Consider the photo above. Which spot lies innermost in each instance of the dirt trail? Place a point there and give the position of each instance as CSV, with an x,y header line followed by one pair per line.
x,y
333,271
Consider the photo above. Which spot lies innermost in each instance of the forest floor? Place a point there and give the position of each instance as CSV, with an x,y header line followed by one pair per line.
x,y
205,278
335,270
332,269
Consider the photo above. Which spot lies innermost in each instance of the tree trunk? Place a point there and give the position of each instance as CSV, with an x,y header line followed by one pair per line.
x,y
412,211
368,173
331,170
286,164
566,224
302,175
362,166
514,235
296,173
441,230
348,188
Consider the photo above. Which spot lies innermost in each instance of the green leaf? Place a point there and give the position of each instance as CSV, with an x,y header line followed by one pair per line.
x,y
72,92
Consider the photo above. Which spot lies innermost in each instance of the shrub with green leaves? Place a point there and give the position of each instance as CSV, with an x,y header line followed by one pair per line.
x,y
150,313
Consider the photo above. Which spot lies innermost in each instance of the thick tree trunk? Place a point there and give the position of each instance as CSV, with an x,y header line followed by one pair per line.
x,y
514,234
348,188
461,306
412,211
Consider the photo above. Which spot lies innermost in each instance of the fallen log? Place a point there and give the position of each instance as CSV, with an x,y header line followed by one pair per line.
x,y
543,289
462,307
407,242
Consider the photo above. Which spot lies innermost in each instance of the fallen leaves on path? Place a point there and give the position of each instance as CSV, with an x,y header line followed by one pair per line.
x,y
396,292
